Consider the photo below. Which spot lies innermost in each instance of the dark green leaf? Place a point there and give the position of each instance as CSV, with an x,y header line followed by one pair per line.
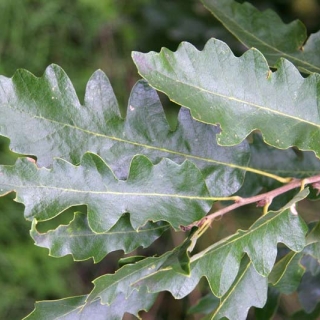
x,y
302,315
78,239
241,94
234,304
308,291
43,117
287,273
271,306
284,163
266,32
205,305
163,192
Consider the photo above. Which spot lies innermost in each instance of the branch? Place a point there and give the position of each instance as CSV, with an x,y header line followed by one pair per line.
x,y
263,199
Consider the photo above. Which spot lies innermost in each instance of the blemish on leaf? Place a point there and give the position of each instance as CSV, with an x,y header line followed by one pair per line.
x,y
269,74
131,108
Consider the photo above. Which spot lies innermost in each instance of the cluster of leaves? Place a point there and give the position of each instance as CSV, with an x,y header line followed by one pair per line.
x,y
138,178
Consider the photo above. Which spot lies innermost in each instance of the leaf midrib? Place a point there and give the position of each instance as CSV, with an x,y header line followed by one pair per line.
x,y
220,95
117,193
188,156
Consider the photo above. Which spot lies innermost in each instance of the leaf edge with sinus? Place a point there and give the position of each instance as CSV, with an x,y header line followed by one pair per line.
x,y
82,243
163,192
239,93
259,243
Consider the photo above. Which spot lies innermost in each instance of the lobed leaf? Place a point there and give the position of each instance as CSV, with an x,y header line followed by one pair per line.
x,y
78,239
234,304
220,262
43,117
163,192
287,273
266,32
241,94
123,282
269,309
76,308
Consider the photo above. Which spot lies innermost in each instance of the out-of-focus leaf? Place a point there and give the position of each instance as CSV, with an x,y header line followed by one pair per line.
x,y
78,239
239,93
43,117
234,304
308,291
271,306
76,308
285,163
266,32
303,315
311,264
220,262
205,305
163,192
287,273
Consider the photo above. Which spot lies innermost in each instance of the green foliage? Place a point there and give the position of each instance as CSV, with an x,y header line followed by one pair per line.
x,y
139,179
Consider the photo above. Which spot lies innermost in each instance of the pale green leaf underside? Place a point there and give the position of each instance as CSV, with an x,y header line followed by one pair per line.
x,y
78,239
259,243
266,32
43,117
75,308
239,93
163,192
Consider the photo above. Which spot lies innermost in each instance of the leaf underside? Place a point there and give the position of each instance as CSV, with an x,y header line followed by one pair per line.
x,y
266,32
239,93
78,239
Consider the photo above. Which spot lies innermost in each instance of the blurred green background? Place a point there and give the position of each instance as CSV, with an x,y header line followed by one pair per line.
x,y
82,36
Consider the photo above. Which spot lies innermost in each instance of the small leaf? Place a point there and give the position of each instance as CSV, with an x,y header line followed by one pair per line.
x,y
259,243
241,94
163,192
126,280
234,304
287,273
76,308
43,117
266,32
205,305
78,239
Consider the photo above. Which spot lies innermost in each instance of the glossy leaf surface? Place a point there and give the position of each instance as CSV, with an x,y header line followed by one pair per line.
x,y
239,93
163,192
